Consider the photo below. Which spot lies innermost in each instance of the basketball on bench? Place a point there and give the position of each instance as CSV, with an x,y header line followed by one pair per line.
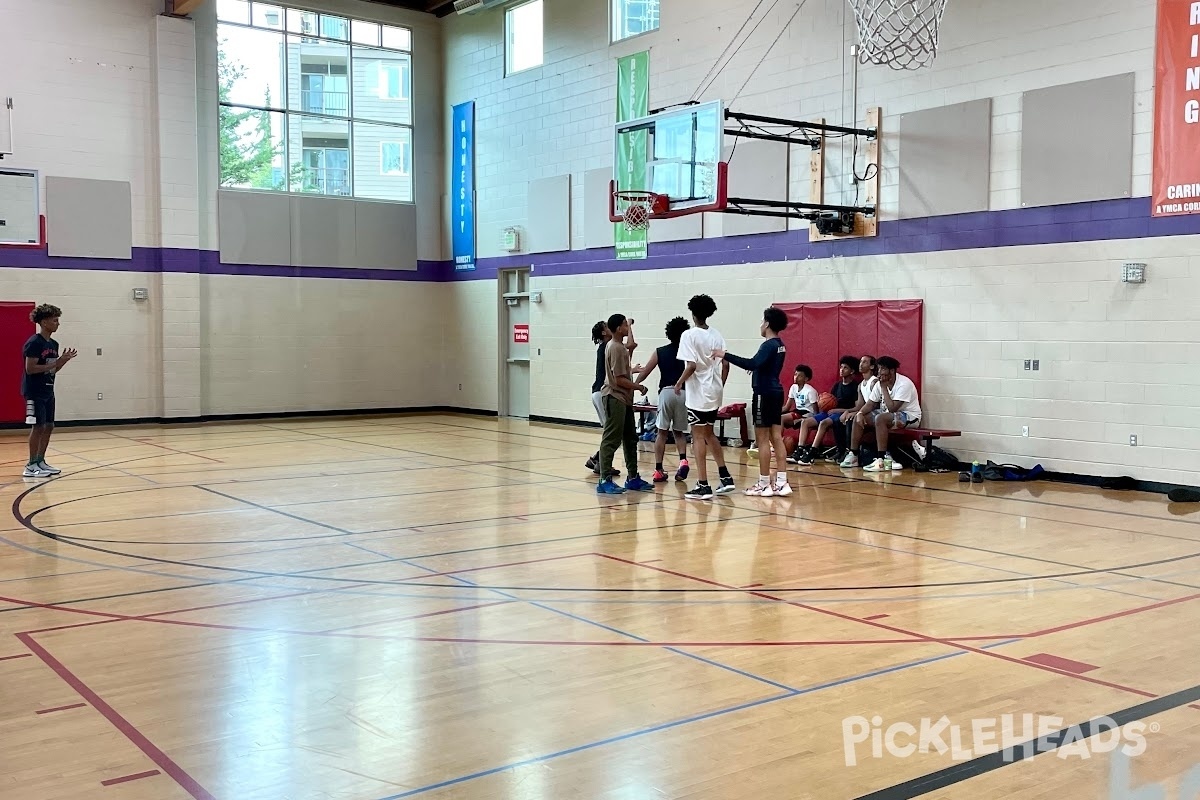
x,y
826,402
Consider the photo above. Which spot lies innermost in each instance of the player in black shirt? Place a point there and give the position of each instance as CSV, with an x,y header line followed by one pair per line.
x,y
845,392
766,366
42,363
672,410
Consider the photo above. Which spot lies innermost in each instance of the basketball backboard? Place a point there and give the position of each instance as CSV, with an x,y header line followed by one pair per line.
x,y
682,149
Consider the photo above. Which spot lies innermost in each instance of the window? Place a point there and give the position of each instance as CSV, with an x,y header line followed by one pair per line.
x,y
395,159
633,17
313,102
523,37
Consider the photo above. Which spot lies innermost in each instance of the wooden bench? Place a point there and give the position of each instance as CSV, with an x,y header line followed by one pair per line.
x,y
643,409
927,436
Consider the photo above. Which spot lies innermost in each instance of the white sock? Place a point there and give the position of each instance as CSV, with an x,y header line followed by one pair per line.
x,y
764,480
782,477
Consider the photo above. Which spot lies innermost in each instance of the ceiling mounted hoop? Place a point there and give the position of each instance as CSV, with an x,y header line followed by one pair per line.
x,y
637,207
901,34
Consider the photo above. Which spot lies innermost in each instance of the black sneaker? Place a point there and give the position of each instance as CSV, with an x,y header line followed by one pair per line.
x,y
796,455
591,464
726,486
702,492
807,459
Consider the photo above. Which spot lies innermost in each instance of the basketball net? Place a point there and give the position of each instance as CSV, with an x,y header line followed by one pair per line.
x,y
903,34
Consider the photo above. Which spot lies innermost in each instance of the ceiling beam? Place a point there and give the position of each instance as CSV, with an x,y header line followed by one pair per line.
x,y
183,7
434,5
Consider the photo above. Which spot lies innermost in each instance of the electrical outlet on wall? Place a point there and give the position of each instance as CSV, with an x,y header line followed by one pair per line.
x,y
99,395
1133,440
1025,431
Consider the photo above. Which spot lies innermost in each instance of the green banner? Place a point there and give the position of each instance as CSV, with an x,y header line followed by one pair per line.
x,y
633,101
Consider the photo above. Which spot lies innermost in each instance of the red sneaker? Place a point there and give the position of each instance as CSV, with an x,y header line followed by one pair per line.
x,y
659,476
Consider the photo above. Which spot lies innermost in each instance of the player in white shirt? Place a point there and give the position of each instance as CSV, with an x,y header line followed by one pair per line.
x,y
893,405
802,397
867,367
702,350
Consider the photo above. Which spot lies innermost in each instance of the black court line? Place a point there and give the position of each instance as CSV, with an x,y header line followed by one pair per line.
x,y
982,765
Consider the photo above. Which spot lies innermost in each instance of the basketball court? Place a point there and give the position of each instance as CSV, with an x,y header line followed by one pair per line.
x,y
440,604
277,609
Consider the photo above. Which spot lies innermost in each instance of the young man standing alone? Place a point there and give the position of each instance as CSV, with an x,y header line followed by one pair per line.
x,y
42,363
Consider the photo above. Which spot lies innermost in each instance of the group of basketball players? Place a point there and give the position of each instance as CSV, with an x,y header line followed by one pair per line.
x,y
693,367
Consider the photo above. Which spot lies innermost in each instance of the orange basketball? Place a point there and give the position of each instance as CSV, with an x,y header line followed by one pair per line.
x,y
826,402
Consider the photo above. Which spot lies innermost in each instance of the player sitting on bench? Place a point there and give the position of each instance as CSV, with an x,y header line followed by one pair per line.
x,y
893,405
845,394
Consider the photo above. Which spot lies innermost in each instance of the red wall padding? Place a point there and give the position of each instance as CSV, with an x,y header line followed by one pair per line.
x,y
15,328
819,334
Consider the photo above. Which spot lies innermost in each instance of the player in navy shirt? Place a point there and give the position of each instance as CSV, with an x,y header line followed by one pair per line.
x,y
42,362
766,366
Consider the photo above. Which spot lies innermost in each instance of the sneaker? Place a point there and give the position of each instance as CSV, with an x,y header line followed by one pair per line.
x,y
682,474
47,468
701,492
795,456
781,489
806,459
920,450
636,484
849,462
759,490
726,486
874,466
753,451
616,473
592,465
659,476
34,471
608,487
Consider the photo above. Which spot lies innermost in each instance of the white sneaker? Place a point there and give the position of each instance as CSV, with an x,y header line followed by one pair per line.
x,y
49,469
34,471
759,490
849,462
781,489
919,449
753,451
874,466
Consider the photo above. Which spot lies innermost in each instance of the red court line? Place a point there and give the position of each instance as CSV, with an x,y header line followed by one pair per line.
x,y
419,616
753,586
893,629
1059,662
877,616
1117,615
499,566
126,778
61,708
139,740
18,655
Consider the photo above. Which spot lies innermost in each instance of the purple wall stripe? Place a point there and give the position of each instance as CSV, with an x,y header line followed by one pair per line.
x,y
1081,222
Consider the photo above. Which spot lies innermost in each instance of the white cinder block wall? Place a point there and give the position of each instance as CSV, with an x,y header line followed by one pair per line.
x,y
1113,356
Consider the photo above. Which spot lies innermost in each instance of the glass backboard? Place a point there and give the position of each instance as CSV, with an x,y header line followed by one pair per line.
x,y
683,153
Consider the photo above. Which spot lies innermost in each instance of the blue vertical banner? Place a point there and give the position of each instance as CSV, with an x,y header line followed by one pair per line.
x,y
462,186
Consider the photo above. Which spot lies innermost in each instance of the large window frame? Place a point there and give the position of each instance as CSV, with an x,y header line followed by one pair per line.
x,y
298,28
511,54
620,27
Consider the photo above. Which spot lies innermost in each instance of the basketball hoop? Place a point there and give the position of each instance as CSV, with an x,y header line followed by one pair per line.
x,y
903,34
637,207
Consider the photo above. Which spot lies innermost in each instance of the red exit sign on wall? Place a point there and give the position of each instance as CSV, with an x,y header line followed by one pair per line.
x,y
520,333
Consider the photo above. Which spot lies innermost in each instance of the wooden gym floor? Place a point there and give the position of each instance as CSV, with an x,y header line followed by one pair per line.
x,y
442,607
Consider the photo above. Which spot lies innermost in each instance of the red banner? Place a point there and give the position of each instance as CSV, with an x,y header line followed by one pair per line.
x,y
1177,109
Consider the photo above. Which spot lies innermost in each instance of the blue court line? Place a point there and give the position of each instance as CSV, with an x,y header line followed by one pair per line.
x,y
610,629
679,722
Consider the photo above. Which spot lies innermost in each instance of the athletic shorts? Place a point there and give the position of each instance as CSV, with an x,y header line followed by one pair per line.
x,y
702,418
767,409
672,411
39,411
900,419
598,402
834,416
